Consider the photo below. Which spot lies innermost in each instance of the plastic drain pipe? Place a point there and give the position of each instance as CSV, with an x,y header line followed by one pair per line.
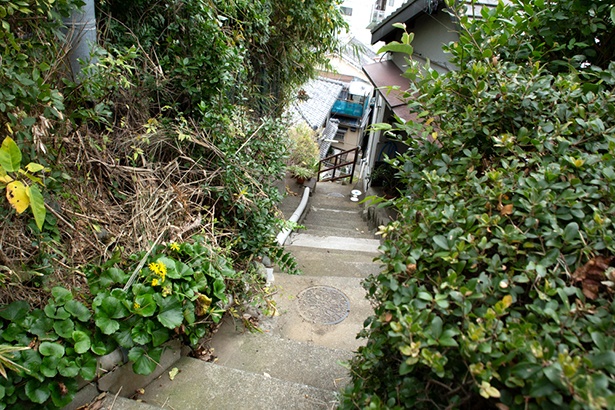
x,y
81,35
282,236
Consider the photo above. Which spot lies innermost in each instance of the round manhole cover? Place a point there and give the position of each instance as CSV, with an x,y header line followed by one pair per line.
x,y
323,305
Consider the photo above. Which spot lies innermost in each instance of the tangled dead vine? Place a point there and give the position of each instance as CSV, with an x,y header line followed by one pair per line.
x,y
124,190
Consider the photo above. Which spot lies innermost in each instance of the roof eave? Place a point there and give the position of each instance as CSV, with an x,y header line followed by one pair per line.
x,y
405,14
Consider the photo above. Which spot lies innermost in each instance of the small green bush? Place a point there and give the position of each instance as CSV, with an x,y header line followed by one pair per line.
x,y
497,288
179,290
303,148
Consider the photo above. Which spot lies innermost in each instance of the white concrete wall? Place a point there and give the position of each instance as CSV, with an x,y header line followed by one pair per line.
x,y
362,16
431,33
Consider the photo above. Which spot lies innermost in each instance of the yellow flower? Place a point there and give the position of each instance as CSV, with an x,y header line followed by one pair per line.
x,y
136,306
155,282
159,269
163,270
166,291
174,246
154,267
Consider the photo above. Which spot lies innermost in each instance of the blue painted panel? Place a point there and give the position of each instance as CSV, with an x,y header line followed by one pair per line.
x,y
347,108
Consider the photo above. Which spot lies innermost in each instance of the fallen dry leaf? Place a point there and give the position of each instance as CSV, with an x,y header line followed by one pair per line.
x,y
592,274
173,372
506,210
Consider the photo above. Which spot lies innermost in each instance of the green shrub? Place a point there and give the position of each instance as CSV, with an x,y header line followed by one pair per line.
x,y
497,288
178,290
207,55
304,153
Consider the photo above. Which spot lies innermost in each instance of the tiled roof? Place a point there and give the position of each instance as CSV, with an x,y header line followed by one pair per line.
x,y
357,53
321,94
327,136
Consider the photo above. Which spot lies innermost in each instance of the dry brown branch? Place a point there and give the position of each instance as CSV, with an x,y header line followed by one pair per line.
x,y
113,203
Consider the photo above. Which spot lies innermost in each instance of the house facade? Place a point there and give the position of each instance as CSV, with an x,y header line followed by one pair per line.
x,y
433,27
362,15
337,108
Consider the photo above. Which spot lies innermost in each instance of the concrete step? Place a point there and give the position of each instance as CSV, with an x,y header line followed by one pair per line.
x,y
200,385
335,217
322,229
335,214
325,311
333,262
333,187
112,402
365,245
334,202
263,353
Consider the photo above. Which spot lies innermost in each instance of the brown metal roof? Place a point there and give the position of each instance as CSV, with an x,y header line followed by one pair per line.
x,y
386,74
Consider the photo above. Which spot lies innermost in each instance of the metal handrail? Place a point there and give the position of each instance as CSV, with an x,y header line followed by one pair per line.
x,y
337,165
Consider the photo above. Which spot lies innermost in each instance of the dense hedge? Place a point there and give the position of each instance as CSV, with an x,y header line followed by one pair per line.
x,y
175,83
497,288
249,52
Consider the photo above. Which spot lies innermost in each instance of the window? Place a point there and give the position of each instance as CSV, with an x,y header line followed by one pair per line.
x,y
391,3
340,134
346,11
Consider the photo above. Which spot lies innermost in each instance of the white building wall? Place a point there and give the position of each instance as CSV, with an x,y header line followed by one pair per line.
x,y
361,16
428,44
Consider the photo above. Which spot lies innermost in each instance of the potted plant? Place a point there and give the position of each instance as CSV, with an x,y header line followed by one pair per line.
x,y
301,173
383,176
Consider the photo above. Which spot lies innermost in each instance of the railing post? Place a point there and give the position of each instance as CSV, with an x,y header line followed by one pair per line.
x,y
338,163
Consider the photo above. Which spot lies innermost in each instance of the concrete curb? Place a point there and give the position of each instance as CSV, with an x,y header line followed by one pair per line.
x,y
116,376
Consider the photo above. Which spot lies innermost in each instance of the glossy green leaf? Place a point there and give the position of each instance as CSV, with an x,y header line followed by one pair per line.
x,y
68,368
82,342
10,155
441,241
49,366
436,327
63,393
140,334
144,305
42,327
98,347
113,308
16,311
54,312
78,310
144,362
106,325
124,338
37,204
88,366
396,47
171,315
61,295
31,360
64,328
51,349
160,336
37,391
571,232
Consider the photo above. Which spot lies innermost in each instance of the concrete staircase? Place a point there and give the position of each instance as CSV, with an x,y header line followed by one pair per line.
x,y
295,362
